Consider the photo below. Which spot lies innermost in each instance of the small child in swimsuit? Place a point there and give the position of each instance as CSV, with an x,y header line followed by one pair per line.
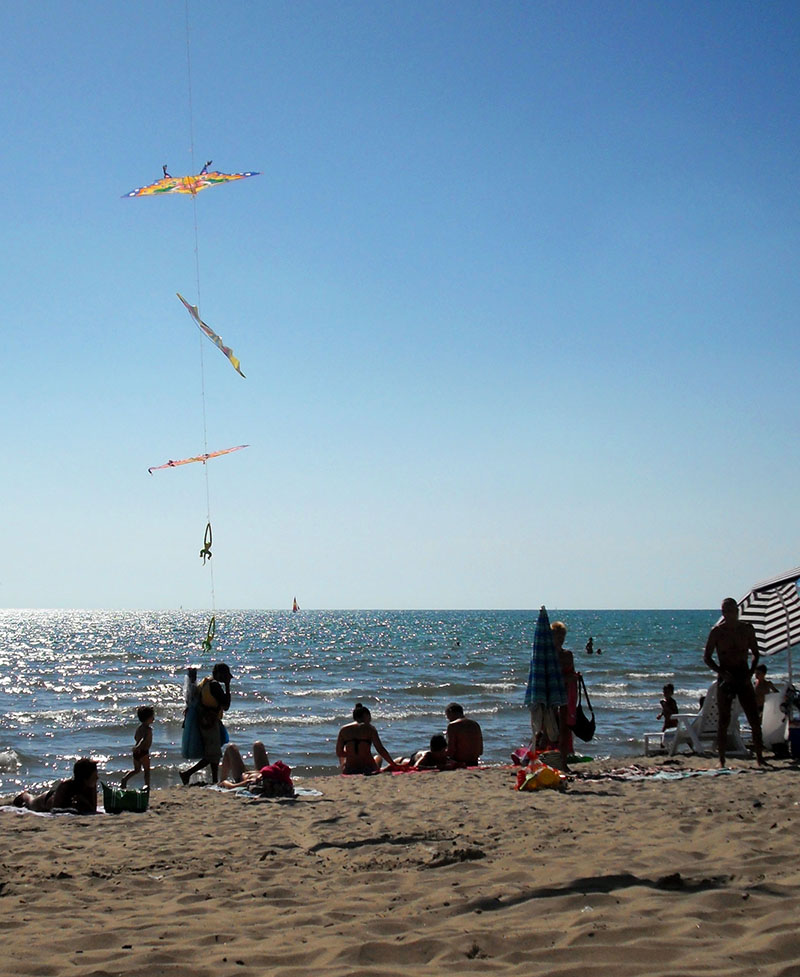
x,y
763,686
143,739
669,707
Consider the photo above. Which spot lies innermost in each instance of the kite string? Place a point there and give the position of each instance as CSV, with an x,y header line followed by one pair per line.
x,y
189,79
197,285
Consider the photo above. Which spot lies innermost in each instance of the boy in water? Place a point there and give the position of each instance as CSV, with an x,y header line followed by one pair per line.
x,y
142,741
669,707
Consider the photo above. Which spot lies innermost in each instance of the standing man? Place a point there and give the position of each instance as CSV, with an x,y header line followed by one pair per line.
x,y
213,702
464,737
733,640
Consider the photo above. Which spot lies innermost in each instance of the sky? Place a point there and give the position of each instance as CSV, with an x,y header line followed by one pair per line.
x,y
515,294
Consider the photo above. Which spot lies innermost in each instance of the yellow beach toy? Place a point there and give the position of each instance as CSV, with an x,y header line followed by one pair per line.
x,y
538,776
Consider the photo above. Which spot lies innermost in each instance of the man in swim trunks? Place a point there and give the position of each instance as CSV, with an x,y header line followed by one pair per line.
x,y
733,640
464,737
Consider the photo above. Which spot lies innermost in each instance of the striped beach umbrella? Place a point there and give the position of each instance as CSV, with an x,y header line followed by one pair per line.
x,y
545,680
773,608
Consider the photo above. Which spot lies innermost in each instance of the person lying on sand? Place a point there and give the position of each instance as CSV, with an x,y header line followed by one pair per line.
x,y
354,745
435,758
79,794
464,737
269,780
234,771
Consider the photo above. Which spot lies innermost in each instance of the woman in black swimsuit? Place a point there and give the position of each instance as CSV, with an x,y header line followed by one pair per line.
x,y
79,794
354,745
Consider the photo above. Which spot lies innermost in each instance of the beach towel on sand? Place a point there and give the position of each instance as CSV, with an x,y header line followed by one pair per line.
x,y
57,813
635,772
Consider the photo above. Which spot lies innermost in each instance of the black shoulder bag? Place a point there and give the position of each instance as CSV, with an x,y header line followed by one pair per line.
x,y
583,727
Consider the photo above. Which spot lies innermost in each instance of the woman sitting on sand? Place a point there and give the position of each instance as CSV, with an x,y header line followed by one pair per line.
x,y
354,745
79,794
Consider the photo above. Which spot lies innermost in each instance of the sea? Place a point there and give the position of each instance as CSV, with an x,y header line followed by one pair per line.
x,y
71,680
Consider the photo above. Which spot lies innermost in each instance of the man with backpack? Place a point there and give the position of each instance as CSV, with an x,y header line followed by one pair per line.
x,y
213,700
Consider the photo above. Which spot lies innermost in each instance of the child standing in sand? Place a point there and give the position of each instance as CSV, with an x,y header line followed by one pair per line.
x,y
142,741
762,686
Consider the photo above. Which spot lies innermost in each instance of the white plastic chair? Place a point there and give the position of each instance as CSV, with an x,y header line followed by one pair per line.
x,y
700,731
658,742
775,718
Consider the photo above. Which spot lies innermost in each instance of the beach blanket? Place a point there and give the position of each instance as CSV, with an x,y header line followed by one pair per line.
x,y
60,813
635,772
247,794
404,770
481,766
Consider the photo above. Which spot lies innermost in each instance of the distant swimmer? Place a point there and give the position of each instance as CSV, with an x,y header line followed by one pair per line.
x,y
590,646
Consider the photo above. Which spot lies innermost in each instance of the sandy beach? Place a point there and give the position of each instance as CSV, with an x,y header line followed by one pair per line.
x,y
422,873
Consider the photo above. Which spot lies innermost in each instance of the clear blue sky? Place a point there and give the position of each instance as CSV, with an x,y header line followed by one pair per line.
x,y
516,295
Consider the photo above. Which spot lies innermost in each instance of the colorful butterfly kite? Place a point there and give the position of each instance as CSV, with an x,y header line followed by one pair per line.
x,y
203,458
195,314
187,184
